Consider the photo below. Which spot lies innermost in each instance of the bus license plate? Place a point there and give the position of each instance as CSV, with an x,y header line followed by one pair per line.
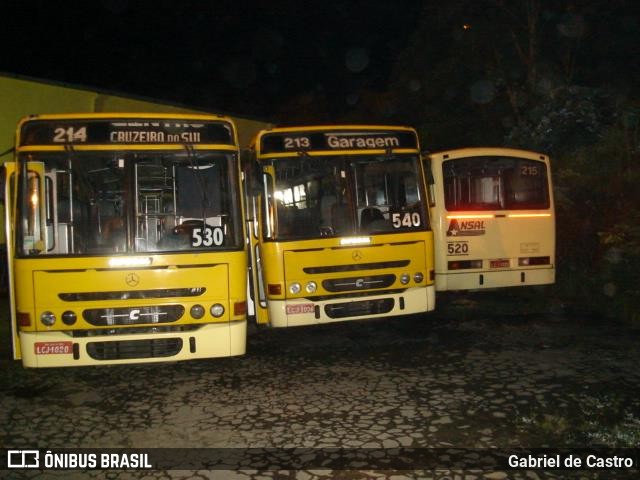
x,y
502,263
298,308
53,348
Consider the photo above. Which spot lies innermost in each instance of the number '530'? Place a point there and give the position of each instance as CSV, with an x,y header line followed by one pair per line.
x,y
206,237
405,219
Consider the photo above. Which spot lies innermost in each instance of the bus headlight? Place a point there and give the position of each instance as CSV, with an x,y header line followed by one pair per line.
x,y
294,288
404,278
48,318
311,287
197,311
69,317
418,277
217,310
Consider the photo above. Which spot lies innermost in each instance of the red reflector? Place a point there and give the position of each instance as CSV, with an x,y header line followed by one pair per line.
x,y
524,261
24,319
500,263
464,264
274,289
240,308
432,275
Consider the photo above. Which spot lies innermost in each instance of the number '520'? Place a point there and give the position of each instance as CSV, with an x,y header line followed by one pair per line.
x,y
206,237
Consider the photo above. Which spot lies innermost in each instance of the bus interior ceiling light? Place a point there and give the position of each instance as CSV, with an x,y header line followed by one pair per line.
x,y
355,241
130,261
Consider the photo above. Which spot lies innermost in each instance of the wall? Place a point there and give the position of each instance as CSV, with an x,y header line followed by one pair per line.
x,y
20,97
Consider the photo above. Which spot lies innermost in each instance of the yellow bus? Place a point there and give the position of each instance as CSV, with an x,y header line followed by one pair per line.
x,y
338,225
493,218
126,239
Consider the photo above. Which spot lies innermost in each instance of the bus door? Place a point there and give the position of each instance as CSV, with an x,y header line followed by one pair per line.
x,y
33,225
255,189
10,201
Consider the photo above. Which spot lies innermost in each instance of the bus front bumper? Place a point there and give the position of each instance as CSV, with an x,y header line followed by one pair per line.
x,y
494,279
58,349
306,311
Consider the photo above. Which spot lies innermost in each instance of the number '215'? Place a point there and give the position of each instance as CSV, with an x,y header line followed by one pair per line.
x,y
70,135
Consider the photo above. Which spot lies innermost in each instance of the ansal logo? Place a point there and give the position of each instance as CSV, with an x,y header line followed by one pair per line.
x,y
465,228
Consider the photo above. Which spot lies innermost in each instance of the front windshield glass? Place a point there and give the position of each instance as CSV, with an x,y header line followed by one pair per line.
x,y
95,203
322,196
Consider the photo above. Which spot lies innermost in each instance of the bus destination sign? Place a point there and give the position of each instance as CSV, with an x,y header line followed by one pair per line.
x,y
122,131
279,142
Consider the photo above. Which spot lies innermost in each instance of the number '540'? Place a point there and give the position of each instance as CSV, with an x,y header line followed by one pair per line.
x,y
405,219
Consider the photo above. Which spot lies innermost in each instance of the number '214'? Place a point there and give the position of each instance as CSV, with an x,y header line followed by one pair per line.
x,y
70,135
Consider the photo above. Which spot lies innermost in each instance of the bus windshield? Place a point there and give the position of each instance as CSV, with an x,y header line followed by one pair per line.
x,y
495,183
324,196
104,202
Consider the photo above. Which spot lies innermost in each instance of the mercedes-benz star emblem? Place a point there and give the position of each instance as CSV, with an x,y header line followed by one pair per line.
x,y
357,256
132,279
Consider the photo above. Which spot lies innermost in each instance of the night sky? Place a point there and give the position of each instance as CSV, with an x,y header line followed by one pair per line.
x,y
236,56
302,61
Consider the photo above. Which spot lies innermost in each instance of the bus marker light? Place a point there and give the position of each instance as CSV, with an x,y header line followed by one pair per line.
x,y
239,308
24,319
526,215
469,216
274,289
130,261
355,241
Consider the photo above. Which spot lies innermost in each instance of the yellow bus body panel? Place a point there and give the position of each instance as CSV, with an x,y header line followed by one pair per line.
x,y
59,284
286,263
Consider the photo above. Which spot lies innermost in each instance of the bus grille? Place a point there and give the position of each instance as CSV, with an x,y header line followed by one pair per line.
x,y
358,283
363,307
132,294
129,349
356,266
104,317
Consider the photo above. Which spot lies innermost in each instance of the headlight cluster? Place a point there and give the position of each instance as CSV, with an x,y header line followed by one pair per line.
x,y
418,277
296,288
216,310
48,318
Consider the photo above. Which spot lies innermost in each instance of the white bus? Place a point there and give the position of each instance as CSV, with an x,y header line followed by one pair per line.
x,y
493,218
